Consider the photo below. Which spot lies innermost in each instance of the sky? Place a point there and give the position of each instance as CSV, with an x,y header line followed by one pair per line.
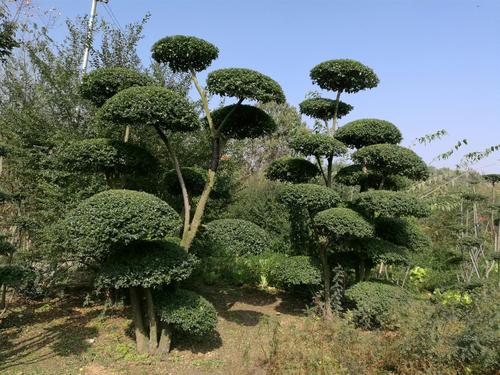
x,y
438,60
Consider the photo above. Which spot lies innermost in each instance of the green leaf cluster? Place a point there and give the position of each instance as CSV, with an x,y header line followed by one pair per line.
x,y
232,237
342,224
391,203
377,304
103,83
344,75
113,219
150,106
243,121
389,159
311,197
324,108
187,312
244,84
290,169
403,232
106,155
309,143
366,132
184,53
146,264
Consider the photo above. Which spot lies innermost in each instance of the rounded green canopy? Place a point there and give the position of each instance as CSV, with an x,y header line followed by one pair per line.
x,y
311,197
151,106
244,84
342,224
113,219
183,53
366,132
309,143
289,169
324,108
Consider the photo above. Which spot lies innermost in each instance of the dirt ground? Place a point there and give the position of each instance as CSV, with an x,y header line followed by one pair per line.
x,y
62,337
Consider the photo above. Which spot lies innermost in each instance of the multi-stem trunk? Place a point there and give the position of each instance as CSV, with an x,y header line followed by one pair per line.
x,y
141,337
153,322
329,171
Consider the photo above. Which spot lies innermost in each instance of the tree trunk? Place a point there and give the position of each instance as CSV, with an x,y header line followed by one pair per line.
x,y
3,302
335,114
153,322
127,134
165,341
330,171
327,311
141,338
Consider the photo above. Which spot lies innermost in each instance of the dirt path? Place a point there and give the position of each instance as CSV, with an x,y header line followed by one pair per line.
x,y
60,337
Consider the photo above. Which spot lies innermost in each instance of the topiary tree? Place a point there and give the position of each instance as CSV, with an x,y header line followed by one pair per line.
x,y
168,112
335,228
289,169
340,76
101,84
385,203
122,235
321,147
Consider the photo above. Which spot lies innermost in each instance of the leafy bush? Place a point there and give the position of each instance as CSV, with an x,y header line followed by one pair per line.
x,y
392,160
377,304
391,204
194,178
233,238
366,132
101,84
6,248
289,169
150,106
353,175
146,264
324,108
316,144
187,312
113,219
184,53
244,121
244,84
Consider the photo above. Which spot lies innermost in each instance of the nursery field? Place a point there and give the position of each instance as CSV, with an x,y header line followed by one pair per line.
x,y
162,215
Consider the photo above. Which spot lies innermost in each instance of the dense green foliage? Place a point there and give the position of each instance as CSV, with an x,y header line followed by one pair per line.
x,y
12,275
391,203
342,223
492,178
187,312
7,34
391,159
184,53
233,237
106,155
377,304
309,143
146,264
311,197
101,84
354,174
150,106
244,84
6,248
366,132
113,219
243,121
344,75
194,178
404,232
289,169
324,108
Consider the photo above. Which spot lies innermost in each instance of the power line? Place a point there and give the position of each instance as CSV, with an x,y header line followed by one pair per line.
x,y
114,19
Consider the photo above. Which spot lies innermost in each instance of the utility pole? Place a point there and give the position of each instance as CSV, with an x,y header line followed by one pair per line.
x,y
88,40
